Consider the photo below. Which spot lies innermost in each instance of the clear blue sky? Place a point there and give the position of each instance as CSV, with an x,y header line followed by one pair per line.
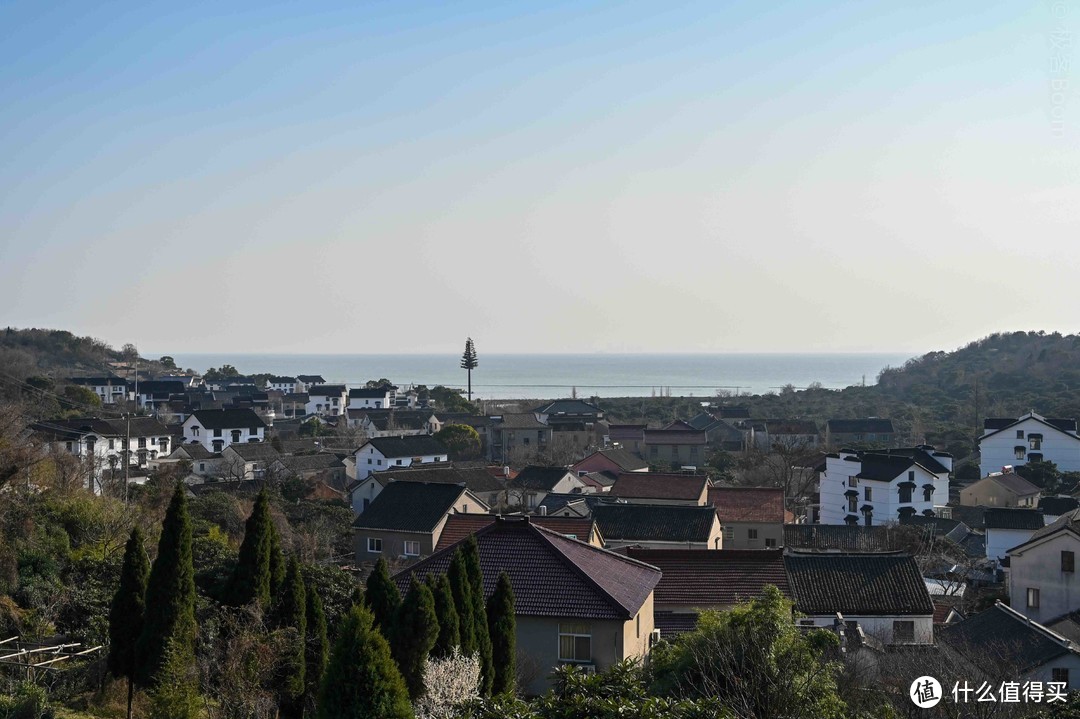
x,y
660,176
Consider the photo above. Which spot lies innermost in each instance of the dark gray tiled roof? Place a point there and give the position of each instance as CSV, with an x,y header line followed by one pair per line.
x,y
228,418
413,446
409,507
654,522
1001,518
858,584
1003,636
539,478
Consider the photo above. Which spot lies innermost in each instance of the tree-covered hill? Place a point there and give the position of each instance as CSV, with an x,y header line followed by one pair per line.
x,y
25,352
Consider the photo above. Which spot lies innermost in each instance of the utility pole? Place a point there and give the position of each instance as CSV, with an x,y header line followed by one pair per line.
x,y
127,453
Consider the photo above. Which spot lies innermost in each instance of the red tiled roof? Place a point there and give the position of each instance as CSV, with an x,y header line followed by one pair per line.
x,y
713,577
459,526
551,575
657,485
748,504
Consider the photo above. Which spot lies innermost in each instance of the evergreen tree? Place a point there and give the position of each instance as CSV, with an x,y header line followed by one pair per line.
x,y
503,629
382,597
127,611
361,680
318,648
469,361
415,630
292,613
251,579
449,629
480,625
169,624
277,558
458,577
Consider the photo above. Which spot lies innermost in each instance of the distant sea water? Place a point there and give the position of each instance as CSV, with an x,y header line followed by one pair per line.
x,y
543,376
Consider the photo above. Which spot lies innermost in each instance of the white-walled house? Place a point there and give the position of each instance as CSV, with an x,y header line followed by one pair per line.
x,y
285,385
105,442
1029,438
110,390
885,593
1041,577
327,400
382,453
216,429
1008,528
364,398
871,487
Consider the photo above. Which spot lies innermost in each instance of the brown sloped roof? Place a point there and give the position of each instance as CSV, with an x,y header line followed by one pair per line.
x,y
748,504
657,485
551,575
459,526
713,578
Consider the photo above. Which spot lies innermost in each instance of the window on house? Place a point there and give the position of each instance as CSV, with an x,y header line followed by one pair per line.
x,y
852,481
142,442
868,519
374,545
398,461
1068,562
412,549
729,533
1032,598
1034,441
911,476
853,504
770,542
751,534
928,494
868,494
1020,452
253,430
905,495
1019,434
1035,457
112,444
575,642
1060,675
903,632
637,626
194,431
217,432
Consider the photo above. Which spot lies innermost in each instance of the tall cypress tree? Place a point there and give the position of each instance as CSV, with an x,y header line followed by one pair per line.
x,y
449,631
361,680
503,629
170,597
382,597
251,579
292,612
458,577
318,648
127,611
483,638
415,630
277,558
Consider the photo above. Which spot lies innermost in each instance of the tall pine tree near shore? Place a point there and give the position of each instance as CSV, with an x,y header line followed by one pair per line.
x,y
415,630
292,613
382,598
469,361
458,577
318,648
169,624
127,611
480,625
361,680
503,628
449,630
252,578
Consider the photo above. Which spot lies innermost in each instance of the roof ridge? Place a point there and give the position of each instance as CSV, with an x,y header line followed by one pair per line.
x,y
548,536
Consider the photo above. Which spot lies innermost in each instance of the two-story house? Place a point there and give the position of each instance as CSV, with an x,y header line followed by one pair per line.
x,y
407,518
327,400
1029,438
1008,528
876,486
1001,489
364,398
674,448
110,390
104,443
528,489
661,488
382,453
573,603
658,526
1041,576
285,385
752,517
216,429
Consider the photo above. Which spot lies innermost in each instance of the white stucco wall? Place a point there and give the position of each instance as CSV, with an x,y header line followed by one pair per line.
x,y
998,449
